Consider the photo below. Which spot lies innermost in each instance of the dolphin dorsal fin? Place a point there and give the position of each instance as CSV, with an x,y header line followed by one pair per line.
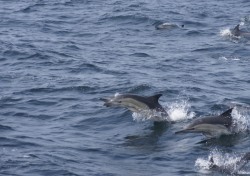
x,y
155,98
211,163
227,113
211,160
237,28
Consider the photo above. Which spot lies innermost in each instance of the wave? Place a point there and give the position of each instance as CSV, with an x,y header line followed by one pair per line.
x,y
134,19
140,55
61,89
4,128
139,88
11,142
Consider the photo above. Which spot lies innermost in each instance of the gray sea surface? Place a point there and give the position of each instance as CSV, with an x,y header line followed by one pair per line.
x,y
57,58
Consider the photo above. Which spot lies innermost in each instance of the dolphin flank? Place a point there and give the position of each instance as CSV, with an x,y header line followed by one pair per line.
x,y
213,126
136,103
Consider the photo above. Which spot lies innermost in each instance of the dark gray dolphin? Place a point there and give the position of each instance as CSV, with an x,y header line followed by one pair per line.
x,y
136,103
167,26
237,32
231,169
213,126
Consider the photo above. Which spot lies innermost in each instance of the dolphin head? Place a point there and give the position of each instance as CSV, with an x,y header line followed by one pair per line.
x,y
195,127
118,100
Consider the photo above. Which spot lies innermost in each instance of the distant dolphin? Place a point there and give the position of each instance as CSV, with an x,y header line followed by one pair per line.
x,y
237,32
231,169
167,26
136,103
214,126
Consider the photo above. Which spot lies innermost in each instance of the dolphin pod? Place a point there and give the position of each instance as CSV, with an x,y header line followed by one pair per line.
x,y
210,126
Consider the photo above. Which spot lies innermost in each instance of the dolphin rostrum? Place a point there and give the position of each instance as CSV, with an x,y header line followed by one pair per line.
x,y
136,103
233,168
237,32
213,126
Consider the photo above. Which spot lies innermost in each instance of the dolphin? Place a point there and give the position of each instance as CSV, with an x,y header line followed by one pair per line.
x,y
136,103
213,126
167,26
237,32
231,169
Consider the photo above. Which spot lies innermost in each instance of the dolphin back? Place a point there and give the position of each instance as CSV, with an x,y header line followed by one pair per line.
x,y
226,117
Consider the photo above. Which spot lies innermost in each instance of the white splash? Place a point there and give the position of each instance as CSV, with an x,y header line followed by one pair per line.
x,y
180,111
117,94
177,111
242,23
226,161
226,32
241,120
229,58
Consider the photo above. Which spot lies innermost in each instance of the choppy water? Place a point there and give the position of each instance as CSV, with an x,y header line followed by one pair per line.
x,y
57,58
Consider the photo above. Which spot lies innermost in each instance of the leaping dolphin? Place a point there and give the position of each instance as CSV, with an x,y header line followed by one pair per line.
x,y
237,32
213,126
231,169
136,103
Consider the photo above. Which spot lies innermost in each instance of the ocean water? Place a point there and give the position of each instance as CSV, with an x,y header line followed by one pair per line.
x,y
57,58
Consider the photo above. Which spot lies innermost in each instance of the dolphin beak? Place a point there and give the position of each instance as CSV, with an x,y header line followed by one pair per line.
x,y
103,99
184,130
106,102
